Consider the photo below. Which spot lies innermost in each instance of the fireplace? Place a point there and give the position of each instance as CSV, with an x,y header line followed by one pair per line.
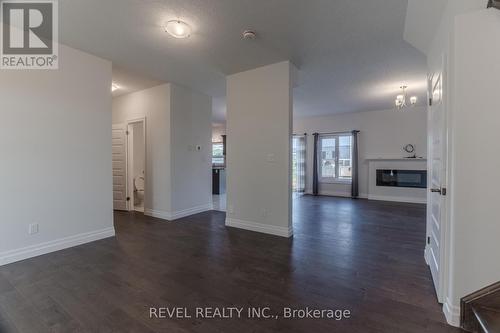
x,y
402,178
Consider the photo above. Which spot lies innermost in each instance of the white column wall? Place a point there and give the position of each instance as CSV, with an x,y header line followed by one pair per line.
x,y
259,128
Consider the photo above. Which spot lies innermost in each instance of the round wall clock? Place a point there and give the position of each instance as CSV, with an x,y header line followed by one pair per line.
x,y
409,148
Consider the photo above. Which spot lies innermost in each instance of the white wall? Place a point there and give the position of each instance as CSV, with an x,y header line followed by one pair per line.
x,y
383,134
218,130
178,176
259,116
466,38
191,169
475,160
55,142
154,105
139,152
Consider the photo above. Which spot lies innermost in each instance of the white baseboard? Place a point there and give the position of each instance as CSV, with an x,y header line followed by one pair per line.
x,y
335,194
171,216
259,227
426,255
55,245
338,194
397,199
452,313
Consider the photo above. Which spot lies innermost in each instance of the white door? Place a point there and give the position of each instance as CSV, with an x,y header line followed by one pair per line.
x,y
436,209
120,201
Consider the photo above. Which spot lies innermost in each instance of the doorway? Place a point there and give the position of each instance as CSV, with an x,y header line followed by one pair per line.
x,y
129,165
219,168
136,160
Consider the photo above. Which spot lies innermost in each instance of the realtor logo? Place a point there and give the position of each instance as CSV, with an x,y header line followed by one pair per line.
x,y
29,34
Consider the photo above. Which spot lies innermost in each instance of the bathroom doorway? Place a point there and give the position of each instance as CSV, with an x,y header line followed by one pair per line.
x,y
136,164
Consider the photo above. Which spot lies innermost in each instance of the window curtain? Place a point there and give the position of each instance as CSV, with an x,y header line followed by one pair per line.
x,y
355,166
315,182
299,150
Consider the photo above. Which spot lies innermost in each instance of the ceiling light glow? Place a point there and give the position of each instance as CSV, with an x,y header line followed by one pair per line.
x,y
178,29
401,100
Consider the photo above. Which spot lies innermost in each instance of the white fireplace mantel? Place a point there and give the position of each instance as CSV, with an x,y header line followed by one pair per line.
x,y
400,194
371,158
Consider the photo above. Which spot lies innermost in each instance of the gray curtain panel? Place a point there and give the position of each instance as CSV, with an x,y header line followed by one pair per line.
x,y
299,168
315,184
355,166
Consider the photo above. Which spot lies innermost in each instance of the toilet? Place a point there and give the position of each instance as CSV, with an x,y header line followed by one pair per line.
x,y
138,191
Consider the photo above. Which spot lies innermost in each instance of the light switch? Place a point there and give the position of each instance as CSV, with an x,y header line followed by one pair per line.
x,y
271,157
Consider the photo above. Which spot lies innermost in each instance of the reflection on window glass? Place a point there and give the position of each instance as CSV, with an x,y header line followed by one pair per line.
x,y
336,157
328,156
218,154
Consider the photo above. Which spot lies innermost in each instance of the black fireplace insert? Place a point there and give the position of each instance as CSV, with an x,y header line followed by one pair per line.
x,y
402,178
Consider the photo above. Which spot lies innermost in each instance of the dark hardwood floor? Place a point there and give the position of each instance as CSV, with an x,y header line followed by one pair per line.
x,y
363,256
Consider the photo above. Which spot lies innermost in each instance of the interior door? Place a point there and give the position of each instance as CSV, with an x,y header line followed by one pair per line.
x,y
436,210
119,138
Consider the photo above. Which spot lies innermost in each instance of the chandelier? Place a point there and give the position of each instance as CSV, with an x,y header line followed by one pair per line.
x,y
402,99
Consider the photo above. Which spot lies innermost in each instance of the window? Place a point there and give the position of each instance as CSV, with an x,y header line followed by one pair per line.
x,y
218,153
299,163
335,158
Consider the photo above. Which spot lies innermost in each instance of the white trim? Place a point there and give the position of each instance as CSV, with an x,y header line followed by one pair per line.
x,y
452,313
396,158
160,214
337,194
191,211
336,181
397,199
259,227
341,194
55,245
171,216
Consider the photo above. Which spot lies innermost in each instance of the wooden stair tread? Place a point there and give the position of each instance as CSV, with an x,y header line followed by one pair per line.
x,y
488,318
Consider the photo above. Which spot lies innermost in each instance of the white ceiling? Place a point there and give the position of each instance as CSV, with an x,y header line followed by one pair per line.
x,y
418,34
350,54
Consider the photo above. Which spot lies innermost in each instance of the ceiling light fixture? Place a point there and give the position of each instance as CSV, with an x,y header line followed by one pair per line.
x,y
401,100
114,87
178,29
249,34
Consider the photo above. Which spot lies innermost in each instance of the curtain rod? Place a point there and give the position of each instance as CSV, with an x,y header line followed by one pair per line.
x,y
343,132
328,133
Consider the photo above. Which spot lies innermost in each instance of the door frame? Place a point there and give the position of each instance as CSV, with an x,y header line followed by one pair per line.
x,y
130,155
123,126
444,245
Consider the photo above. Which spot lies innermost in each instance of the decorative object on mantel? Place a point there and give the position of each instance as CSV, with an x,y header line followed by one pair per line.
x,y
494,4
402,99
410,149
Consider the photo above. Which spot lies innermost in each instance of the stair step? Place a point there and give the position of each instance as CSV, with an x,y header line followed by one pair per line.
x,y
488,318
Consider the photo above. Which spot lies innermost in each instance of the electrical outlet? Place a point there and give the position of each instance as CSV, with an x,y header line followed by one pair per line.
x,y
33,229
230,209
264,212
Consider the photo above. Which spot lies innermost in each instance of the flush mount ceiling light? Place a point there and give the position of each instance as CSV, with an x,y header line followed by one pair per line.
x,y
249,34
401,100
114,87
178,29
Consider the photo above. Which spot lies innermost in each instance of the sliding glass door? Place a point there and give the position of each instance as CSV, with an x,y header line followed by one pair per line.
x,y
299,163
